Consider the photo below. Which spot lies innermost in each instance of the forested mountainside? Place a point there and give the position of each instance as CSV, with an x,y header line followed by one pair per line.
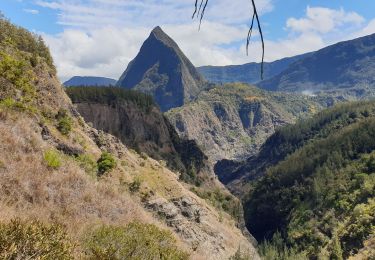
x,y
345,65
69,191
89,81
232,121
162,70
316,184
247,73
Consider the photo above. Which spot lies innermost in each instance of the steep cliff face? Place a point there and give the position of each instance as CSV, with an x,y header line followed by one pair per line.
x,y
53,168
234,120
162,70
139,123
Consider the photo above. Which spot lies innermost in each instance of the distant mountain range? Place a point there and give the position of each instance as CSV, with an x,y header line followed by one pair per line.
x,y
343,70
89,81
162,70
247,73
344,65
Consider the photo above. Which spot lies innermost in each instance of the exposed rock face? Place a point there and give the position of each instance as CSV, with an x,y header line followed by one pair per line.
x,y
233,121
185,214
148,132
162,70
341,66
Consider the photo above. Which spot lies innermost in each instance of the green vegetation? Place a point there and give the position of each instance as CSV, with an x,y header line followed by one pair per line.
x,y
221,200
20,52
52,159
110,96
15,37
135,185
277,250
135,241
34,240
319,188
64,122
106,163
88,163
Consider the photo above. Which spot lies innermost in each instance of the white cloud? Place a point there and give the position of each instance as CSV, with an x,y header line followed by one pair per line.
x,y
324,20
31,11
102,36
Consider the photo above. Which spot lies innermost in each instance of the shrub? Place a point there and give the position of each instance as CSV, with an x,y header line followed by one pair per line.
x,y
25,41
106,163
34,240
277,250
16,72
64,124
88,163
52,159
135,185
133,241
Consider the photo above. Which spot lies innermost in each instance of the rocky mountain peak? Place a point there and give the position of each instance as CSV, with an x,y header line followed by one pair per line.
x,y
162,70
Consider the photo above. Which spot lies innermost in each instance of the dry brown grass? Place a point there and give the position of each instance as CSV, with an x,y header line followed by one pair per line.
x,y
29,189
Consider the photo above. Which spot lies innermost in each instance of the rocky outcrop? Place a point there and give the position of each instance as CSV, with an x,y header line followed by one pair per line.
x,y
162,70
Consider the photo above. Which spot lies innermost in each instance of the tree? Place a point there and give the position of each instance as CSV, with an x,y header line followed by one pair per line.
x,y
199,14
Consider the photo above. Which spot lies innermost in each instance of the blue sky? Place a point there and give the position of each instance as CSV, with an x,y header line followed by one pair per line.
x,y
100,37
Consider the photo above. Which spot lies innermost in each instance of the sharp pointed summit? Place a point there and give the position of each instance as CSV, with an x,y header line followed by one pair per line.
x,y
162,70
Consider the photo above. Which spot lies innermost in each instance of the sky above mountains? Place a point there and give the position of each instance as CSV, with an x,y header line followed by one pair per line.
x,y
100,37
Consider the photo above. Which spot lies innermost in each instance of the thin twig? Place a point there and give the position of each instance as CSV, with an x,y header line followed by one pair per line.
x,y
249,35
195,10
201,11
202,14
261,37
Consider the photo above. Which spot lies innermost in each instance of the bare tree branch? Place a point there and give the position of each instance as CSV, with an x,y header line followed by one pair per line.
x,y
199,14
200,11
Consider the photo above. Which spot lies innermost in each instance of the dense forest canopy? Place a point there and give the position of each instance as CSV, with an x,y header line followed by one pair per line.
x,y
320,192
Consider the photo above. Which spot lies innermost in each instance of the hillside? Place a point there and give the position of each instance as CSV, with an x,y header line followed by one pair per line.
x,y
345,65
89,81
234,120
136,120
318,184
163,71
69,191
246,73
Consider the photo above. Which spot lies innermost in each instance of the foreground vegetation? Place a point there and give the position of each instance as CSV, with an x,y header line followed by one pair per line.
x,y
37,240
319,190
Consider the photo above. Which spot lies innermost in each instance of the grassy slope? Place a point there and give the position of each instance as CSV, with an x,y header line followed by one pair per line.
x,y
50,175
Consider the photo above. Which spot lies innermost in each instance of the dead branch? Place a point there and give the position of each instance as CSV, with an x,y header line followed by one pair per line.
x,y
199,14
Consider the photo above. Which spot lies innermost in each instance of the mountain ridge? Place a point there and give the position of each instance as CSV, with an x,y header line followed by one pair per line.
x,y
89,81
247,73
341,66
